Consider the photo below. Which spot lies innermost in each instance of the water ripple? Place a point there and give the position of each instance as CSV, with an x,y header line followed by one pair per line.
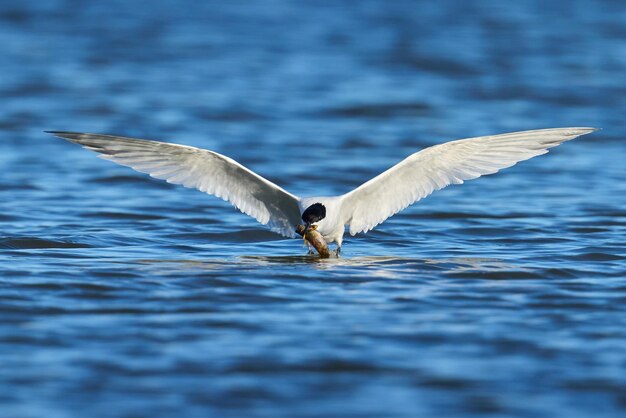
x,y
16,243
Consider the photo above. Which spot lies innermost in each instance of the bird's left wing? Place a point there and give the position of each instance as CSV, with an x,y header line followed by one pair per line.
x,y
204,170
441,165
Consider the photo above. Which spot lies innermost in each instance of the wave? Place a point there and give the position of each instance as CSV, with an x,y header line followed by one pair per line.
x,y
31,243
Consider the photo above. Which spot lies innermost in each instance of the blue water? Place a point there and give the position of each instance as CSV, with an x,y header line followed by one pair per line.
x,y
122,296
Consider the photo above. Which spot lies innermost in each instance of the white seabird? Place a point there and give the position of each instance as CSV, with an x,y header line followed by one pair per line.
x,y
409,181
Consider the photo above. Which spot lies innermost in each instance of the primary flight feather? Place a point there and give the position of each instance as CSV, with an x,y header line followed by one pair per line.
x,y
412,179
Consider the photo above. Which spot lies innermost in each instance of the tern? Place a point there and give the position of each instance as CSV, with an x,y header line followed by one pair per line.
x,y
365,207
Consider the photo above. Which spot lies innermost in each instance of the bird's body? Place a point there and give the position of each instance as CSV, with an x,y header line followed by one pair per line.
x,y
412,179
332,226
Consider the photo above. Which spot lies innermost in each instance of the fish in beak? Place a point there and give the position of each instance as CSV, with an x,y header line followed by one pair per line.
x,y
307,226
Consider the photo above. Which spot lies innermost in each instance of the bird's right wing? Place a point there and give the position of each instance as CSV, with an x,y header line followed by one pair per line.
x,y
204,170
441,165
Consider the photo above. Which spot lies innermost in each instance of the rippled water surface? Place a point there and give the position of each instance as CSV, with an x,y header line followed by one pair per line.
x,y
124,296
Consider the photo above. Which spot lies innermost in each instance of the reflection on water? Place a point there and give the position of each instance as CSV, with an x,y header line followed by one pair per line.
x,y
124,296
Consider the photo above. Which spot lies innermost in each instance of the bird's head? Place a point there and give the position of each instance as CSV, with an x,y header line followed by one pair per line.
x,y
314,213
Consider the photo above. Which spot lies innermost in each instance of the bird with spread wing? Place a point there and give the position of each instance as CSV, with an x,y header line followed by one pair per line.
x,y
409,181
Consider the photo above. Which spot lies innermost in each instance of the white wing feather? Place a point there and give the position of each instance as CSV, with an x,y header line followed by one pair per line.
x,y
204,170
441,165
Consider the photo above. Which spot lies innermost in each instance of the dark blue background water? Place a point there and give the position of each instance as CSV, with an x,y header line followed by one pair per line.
x,y
124,296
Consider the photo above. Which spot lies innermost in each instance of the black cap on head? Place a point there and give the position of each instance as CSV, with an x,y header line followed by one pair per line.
x,y
314,213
